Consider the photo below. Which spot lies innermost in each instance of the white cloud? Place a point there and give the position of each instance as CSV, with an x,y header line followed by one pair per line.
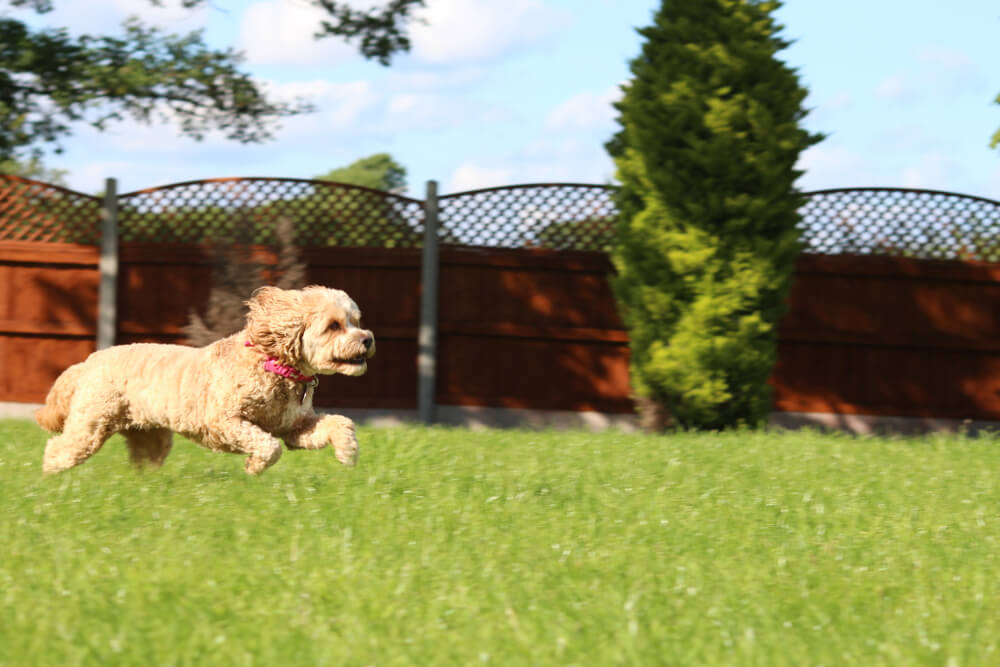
x,y
310,89
464,31
833,104
468,176
939,71
952,71
946,57
158,137
585,111
832,167
363,109
343,110
281,32
345,103
907,138
90,178
992,185
422,111
454,77
405,103
171,14
932,171
566,158
838,101
895,87
408,111
339,107
563,162
829,112
161,135
106,17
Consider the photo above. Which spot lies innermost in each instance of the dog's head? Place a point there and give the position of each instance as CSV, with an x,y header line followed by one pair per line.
x,y
316,329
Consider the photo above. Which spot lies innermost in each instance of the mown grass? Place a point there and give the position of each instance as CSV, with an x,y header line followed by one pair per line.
x,y
516,548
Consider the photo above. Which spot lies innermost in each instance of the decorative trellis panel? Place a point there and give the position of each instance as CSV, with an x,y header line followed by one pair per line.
x,y
33,211
248,210
903,223
921,224
857,221
560,216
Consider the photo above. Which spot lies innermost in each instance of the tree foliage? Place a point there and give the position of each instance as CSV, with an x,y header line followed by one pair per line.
x,y
374,219
380,31
995,141
50,79
33,168
707,238
379,171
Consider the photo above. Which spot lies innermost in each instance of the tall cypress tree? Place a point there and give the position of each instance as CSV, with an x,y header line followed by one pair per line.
x,y
707,238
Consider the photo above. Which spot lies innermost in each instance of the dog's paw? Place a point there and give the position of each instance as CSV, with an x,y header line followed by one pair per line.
x,y
340,430
347,452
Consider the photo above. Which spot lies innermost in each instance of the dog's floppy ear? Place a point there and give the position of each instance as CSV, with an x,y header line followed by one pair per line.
x,y
276,322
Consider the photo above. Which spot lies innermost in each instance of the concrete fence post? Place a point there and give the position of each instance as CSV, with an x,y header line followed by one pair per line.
x,y
107,294
427,337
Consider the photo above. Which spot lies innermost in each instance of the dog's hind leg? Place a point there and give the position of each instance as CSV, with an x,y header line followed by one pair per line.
x,y
94,414
148,447
80,439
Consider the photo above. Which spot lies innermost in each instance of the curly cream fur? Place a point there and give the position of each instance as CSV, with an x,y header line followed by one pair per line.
x,y
219,395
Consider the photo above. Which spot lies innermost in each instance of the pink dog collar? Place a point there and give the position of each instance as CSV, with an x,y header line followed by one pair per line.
x,y
285,371
289,372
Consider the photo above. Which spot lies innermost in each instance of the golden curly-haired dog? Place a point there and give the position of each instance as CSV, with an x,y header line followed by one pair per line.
x,y
240,394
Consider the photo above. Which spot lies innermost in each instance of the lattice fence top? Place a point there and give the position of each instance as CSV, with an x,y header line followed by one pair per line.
x,y
908,223
563,216
247,210
865,221
34,211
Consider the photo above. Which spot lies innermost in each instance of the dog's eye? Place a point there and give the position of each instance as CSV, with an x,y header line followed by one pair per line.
x,y
334,326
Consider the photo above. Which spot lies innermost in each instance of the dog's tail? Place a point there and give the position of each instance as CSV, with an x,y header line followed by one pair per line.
x,y
52,415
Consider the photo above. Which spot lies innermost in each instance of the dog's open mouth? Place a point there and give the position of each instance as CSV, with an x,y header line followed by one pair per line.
x,y
353,361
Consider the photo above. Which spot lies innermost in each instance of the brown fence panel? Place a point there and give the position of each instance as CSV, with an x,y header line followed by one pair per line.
x,y
161,283
158,286
385,283
48,314
530,329
863,335
891,336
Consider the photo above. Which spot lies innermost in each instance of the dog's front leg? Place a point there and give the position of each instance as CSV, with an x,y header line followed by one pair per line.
x,y
238,435
314,432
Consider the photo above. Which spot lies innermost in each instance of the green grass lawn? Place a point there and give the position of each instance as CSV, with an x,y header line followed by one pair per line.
x,y
451,547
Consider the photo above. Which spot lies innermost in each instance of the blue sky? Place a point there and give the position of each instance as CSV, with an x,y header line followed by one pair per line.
x,y
496,93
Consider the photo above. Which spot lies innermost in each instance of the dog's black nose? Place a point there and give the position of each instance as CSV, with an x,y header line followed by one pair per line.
x,y
367,342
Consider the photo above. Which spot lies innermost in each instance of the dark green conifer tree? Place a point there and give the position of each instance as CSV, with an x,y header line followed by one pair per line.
x,y
707,238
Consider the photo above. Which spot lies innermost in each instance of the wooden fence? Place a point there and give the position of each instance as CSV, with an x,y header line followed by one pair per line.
x,y
530,327
891,336
48,314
